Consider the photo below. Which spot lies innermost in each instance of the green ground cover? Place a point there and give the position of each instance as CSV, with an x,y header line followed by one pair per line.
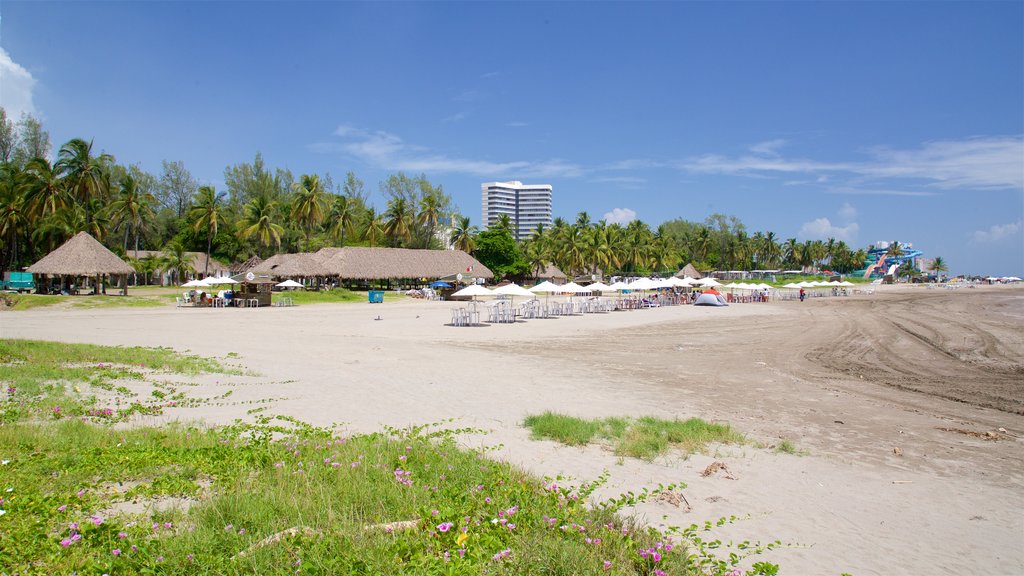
x,y
300,297
83,494
645,437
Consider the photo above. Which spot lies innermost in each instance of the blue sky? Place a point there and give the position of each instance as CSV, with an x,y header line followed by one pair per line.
x,y
864,121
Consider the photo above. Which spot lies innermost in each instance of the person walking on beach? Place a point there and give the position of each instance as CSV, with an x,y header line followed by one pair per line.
x,y
801,294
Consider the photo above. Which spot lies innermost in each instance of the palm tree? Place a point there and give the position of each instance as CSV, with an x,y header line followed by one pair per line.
x,y
342,217
939,265
259,220
175,259
12,210
503,222
208,212
46,192
462,234
374,227
308,203
85,175
430,213
396,223
132,207
791,251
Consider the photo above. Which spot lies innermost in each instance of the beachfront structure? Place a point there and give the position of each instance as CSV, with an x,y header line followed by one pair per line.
x,y
361,264
196,263
83,256
527,205
879,261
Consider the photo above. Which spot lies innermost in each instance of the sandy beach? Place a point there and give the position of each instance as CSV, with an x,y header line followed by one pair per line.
x,y
887,396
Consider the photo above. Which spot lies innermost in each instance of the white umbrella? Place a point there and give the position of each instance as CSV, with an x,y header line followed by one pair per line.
x,y
642,284
474,290
195,284
512,289
792,285
215,281
708,282
546,287
680,282
620,285
289,284
598,287
846,284
573,288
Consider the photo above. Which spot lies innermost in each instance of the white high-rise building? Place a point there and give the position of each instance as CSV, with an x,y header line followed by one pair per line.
x,y
526,205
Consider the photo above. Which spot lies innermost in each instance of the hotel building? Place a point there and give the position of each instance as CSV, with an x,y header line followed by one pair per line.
x,y
527,205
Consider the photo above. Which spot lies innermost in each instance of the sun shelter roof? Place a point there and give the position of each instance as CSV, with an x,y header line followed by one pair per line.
x,y
361,263
598,287
474,290
574,288
82,255
546,287
513,289
620,285
688,271
303,264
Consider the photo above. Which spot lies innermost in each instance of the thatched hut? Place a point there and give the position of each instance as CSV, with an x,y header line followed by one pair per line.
x,y
688,270
353,263
252,286
552,274
83,256
301,265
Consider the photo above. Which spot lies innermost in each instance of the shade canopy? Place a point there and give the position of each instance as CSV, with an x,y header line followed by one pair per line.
x,y
82,255
546,287
643,284
574,288
289,283
195,284
474,290
219,280
512,289
598,287
708,282
440,284
620,285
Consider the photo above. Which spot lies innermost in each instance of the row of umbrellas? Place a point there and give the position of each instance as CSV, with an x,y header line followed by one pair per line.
x,y
548,287
210,281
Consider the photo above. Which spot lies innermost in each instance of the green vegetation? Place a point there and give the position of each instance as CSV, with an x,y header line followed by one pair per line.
x,y
645,437
279,496
28,301
332,296
266,210
786,446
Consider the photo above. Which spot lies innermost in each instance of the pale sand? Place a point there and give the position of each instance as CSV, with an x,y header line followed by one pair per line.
x,y
951,504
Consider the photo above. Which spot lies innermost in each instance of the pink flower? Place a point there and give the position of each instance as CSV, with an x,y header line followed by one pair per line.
x,y
122,535
116,551
66,542
62,508
445,526
607,565
97,520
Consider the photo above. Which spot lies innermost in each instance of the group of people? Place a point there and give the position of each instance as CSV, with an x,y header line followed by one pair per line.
x,y
203,298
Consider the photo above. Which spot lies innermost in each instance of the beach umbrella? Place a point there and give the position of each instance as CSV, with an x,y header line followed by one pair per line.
x,y
194,284
574,288
846,284
216,281
289,284
546,287
642,284
680,282
620,285
474,290
440,284
709,282
598,287
512,289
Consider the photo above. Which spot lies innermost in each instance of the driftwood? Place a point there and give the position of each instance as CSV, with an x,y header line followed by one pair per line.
x,y
275,538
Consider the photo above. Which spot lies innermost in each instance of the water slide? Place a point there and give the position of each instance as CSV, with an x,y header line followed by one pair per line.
x,y
878,264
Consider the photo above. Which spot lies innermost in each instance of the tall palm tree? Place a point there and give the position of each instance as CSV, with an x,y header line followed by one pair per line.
x,y
46,192
85,175
374,227
308,203
259,220
503,222
132,207
791,251
462,234
573,250
208,210
938,266
342,217
175,260
430,213
396,221
13,219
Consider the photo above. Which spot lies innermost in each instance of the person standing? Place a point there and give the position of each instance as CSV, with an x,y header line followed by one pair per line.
x,y
801,294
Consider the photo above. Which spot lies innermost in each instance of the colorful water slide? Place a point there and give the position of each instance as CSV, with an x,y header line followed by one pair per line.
x,y
878,264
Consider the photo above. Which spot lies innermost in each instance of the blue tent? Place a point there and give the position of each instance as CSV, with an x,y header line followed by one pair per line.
x,y
440,284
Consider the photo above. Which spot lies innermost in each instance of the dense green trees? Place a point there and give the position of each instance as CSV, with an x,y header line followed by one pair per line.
x,y
263,210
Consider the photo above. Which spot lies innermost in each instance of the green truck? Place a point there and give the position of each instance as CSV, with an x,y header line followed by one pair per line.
x,y
17,282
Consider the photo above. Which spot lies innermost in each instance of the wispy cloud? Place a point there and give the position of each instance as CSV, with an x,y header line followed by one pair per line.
x,y
847,212
823,228
468,96
457,117
996,232
516,124
390,152
16,85
620,216
989,162
490,74
878,192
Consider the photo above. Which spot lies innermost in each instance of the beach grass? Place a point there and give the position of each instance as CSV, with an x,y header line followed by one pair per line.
x,y
30,301
278,496
645,437
336,295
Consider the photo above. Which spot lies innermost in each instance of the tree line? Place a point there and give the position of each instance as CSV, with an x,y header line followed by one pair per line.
x,y
263,211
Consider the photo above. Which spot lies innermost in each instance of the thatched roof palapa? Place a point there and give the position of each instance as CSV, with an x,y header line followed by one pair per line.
x,y
552,273
360,263
304,265
688,270
82,255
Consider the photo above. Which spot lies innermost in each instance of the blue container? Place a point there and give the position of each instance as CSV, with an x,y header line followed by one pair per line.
x,y
376,296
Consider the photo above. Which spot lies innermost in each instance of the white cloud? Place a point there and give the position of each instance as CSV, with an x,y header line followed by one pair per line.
x,y
877,192
847,212
16,85
620,216
388,151
997,232
822,229
988,162
457,117
516,124
489,74
622,180
768,148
